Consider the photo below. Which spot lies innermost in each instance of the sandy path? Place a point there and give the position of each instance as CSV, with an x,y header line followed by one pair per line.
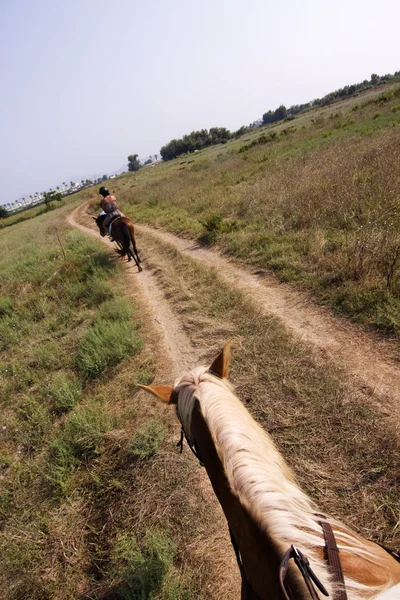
x,y
179,354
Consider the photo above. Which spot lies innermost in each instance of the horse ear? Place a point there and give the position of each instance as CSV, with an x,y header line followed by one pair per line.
x,y
165,393
220,366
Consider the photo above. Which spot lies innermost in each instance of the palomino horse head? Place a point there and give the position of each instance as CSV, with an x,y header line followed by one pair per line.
x,y
270,518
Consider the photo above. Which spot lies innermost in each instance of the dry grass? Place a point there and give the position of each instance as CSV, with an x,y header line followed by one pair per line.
x,y
343,450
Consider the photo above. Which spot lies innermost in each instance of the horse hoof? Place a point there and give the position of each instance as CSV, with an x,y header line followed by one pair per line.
x,y
129,259
140,269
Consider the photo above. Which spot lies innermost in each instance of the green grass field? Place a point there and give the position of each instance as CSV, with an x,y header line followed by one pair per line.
x,y
75,446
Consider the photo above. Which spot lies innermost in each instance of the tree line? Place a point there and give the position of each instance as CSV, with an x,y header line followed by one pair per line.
x,y
197,140
347,91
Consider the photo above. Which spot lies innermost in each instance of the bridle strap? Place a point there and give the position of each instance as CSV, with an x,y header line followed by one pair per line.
x,y
302,563
333,559
308,574
192,445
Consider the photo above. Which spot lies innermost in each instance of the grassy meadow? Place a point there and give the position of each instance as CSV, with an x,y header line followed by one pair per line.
x,y
78,460
315,199
95,501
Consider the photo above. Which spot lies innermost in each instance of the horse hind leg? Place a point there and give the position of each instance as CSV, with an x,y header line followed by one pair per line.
x,y
139,260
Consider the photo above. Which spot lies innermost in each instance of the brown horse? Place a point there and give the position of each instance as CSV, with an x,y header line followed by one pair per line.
x,y
271,520
122,232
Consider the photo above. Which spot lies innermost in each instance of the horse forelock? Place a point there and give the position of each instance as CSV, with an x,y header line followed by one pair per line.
x,y
257,473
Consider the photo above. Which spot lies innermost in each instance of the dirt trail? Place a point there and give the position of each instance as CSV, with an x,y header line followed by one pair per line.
x,y
180,354
372,362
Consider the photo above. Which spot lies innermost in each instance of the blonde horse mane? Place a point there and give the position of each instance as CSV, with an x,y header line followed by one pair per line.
x,y
260,478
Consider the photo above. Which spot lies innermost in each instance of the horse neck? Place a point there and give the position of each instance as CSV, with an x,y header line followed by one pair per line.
x,y
267,511
259,553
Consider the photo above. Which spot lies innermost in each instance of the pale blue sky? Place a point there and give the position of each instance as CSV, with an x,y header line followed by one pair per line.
x,y
84,83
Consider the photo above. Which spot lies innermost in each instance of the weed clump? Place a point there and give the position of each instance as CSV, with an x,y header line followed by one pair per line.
x,y
6,306
147,571
80,440
104,345
146,440
65,391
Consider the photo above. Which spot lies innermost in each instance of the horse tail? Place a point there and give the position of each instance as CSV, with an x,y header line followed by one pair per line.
x,y
126,239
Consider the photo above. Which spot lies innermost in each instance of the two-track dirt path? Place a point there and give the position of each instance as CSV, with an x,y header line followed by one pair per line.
x,y
370,362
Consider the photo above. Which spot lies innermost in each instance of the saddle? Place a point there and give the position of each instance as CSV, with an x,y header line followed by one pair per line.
x,y
115,217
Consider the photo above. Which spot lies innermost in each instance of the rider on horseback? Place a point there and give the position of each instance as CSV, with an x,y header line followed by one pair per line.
x,y
110,209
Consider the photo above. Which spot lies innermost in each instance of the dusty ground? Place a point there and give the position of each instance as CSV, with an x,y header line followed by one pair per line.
x,y
371,363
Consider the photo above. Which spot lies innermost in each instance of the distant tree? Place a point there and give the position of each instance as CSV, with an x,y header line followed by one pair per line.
x,y
268,117
280,113
104,178
51,196
375,78
148,161
72,183
3,212
155,156
133,162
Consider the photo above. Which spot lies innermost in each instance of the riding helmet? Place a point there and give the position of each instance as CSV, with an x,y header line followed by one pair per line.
x,y
104,191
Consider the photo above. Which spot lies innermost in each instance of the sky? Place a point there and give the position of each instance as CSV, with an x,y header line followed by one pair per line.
x,y
84,83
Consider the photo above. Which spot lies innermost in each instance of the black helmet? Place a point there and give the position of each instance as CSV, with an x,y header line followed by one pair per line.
x,y
104,191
